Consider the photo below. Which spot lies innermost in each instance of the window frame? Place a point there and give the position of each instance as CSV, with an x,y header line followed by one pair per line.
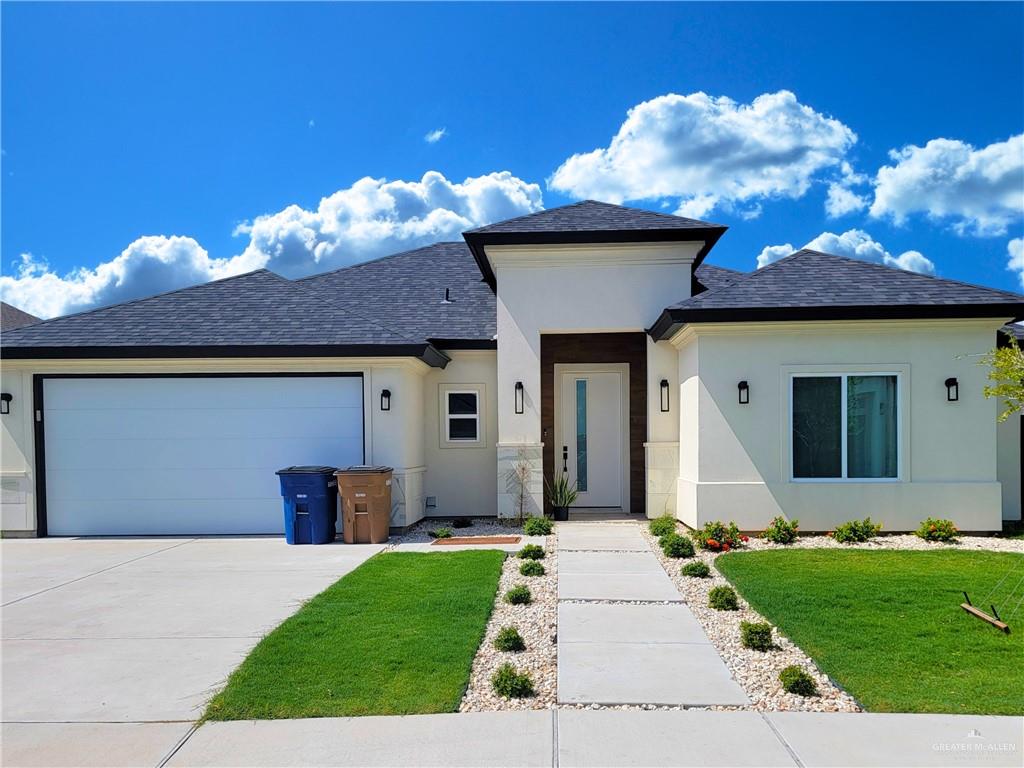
x,y
843,377
446,439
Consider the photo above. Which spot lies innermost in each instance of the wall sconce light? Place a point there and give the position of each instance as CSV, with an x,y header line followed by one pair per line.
x,y
664,395
744,390
385,399
519,397
5,402
952,390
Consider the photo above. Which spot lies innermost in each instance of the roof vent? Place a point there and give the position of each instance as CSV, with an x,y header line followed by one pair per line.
x,y
447,296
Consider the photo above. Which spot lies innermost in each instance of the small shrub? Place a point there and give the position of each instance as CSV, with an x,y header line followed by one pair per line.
x,y
659,526
781,531
698,569
462,522
519,595
675,545
531,552
531,568
756,635
440,533
723,599
856,531
719,537
937,530
510,684
795,680
537,526
509,639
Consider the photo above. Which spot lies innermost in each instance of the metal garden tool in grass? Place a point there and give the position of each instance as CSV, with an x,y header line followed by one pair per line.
x,y
1006,601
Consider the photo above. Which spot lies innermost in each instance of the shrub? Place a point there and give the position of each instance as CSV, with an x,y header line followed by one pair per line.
x,y
519,595
675,545
717,536
531,568
659,526
723,599
781,531
698,569
509,639
756,635
856,531
537,526
510,684
462,522
531,552
937,530
440,533
795,680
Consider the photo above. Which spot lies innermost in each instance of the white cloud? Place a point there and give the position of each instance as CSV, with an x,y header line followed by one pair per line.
x,y
707,152
1016,261
435,135
312,123
980,191
854,243
842,200
373,217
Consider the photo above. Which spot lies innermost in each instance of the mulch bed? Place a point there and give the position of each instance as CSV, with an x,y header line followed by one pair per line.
x,y
478,540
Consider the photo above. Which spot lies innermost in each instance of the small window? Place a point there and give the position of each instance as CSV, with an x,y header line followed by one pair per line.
x,y
462,416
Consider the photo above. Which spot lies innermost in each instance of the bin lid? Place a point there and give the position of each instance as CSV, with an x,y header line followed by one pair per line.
x,y
306,471
363,469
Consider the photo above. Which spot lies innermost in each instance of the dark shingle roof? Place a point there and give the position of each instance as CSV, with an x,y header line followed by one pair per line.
x,y
710,277
820,286
11,317
591,216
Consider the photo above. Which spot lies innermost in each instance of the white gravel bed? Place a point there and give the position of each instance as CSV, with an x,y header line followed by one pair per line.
x,y
894,541
482,526
538,625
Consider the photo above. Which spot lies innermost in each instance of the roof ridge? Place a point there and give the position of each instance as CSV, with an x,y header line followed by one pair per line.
x,y
381,258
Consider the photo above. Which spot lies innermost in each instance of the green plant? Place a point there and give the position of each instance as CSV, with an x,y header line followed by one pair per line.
x,y
659,526
510,684
519,595
531,568
756,635
561,493
723,599
781,531
462,522
440,533
856,531
531,552
717,536
795,680
1006,370
537,526
675,545
698,569
937,530
509,639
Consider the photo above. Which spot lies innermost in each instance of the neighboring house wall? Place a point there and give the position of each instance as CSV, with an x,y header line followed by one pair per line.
x,y
735,459
1009,469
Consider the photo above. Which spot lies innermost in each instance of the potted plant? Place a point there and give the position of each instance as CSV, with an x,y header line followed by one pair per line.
x,y
562,495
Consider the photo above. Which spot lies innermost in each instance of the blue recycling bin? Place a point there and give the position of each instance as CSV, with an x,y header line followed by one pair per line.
x,y
310,504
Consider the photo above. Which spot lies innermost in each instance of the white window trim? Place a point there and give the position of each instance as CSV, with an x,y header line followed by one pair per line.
x,y
843,376
447,441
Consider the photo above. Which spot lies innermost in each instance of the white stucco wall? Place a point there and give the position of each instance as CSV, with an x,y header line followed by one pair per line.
x,y
1008,471
734,459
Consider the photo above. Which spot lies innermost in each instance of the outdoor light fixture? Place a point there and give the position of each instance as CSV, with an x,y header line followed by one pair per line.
x,y
744,389
952,389
385,399
5,402
664,395
519,397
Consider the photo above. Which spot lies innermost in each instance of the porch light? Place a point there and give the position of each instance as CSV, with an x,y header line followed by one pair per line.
x,y
664,395
385,399
952,390
5,402
519,397
744,390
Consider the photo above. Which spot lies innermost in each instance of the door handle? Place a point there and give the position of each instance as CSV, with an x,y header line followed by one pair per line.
x,y
565,459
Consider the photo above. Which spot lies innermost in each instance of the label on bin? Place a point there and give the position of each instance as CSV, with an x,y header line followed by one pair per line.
x,y
360,495
301,495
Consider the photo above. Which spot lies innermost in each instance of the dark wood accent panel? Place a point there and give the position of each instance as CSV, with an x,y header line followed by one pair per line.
x,y
629,348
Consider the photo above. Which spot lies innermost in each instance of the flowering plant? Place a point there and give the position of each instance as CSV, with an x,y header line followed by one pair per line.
x,y
937,530
717,536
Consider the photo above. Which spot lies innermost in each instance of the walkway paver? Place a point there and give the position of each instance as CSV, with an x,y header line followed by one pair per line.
x,y
625,623
597,537
89,745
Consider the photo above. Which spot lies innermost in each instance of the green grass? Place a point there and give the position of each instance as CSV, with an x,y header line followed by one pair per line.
x,y
888,626
396,636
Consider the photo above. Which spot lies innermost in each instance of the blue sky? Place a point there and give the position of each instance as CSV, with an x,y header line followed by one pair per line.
x,y
137,138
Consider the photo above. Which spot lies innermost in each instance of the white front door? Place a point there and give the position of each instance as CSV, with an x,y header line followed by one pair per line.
x,y
591,439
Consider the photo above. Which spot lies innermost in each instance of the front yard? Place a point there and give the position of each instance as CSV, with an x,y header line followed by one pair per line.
x,y
886,625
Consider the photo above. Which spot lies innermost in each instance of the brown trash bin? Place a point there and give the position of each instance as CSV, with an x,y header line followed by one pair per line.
x,y
365,503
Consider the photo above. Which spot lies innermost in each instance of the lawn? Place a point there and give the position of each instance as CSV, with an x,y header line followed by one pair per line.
x,y
887,626
396,636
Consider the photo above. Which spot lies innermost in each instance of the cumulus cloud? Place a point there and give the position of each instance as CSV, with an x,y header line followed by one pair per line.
x,y
979,191
854,243
435,135
1016,261
706,152
373,217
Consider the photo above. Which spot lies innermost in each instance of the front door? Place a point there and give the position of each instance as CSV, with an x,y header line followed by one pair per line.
x,y
591,434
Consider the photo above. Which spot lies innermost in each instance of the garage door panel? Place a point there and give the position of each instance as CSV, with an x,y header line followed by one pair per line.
x,y
161,517
142,484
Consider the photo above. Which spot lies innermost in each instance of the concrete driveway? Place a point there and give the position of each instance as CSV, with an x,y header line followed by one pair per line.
x,y
111,647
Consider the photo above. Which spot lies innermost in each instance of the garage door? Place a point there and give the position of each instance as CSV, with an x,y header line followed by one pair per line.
x,y
180,455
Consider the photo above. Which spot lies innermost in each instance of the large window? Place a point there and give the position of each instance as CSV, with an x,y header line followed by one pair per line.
x,y
845,427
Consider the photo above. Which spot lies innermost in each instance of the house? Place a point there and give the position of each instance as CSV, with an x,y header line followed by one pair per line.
x,y
590,339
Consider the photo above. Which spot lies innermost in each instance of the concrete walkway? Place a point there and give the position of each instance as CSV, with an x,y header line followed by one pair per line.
x,y
624,634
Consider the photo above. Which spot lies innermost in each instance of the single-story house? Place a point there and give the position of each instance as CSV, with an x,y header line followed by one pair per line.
x,y
591,339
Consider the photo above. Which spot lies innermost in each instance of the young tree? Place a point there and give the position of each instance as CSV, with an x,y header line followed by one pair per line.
x,y
1006,371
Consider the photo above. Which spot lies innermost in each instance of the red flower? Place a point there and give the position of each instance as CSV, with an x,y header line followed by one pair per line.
x,y
713,544
726,546
745,537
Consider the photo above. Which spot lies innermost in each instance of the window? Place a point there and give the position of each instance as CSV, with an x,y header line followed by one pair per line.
x,y
463,416
581,435
845,427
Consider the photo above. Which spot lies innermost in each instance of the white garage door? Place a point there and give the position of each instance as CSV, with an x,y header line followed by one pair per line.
x,y
188,455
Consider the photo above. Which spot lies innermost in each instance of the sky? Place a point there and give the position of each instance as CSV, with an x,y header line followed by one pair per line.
x,y
148,146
